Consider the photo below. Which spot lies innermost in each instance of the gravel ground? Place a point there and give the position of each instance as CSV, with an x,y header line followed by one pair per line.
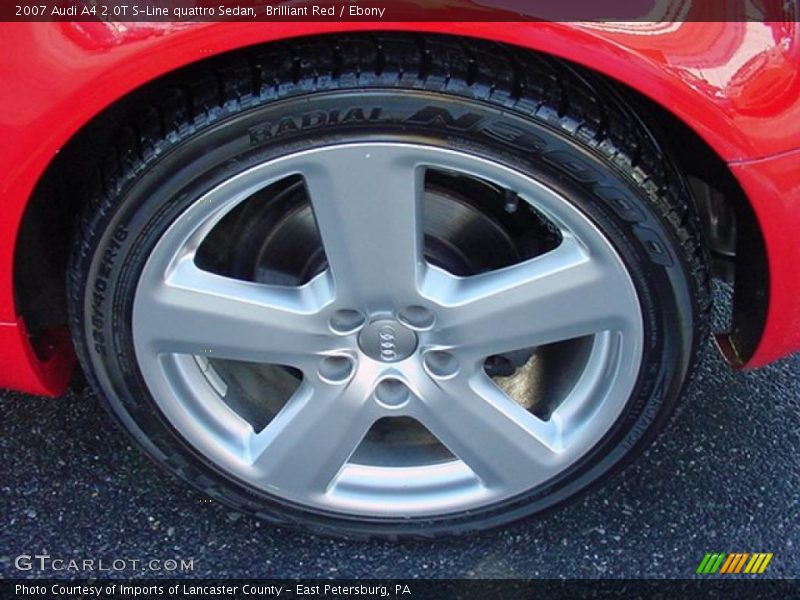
x,y
723,477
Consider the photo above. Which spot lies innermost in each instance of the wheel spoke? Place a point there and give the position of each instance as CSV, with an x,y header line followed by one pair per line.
x,y
497,438
305,446
561,295
366,201
193,311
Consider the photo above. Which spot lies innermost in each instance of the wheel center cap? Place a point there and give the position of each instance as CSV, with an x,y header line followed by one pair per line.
x,y
387,340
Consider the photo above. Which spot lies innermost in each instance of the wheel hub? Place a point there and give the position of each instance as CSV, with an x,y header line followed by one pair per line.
x,y
387,341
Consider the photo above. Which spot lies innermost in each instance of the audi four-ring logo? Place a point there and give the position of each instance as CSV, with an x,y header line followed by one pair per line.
x,y
388,342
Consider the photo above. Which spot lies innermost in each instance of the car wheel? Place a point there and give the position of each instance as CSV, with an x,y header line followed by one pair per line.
x,y
389,286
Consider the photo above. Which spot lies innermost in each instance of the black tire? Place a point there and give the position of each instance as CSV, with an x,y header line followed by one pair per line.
x,y
582,135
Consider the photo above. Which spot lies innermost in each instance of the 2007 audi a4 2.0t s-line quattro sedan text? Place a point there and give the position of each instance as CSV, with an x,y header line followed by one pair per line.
x,y
394,279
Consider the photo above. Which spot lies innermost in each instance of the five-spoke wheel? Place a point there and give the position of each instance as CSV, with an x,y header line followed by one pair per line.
x,y
388,285
382,333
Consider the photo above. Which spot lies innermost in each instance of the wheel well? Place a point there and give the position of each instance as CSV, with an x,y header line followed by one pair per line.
x,y
731,232
731,236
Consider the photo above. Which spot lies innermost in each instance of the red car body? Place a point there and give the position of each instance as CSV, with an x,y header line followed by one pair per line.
x,y
736,84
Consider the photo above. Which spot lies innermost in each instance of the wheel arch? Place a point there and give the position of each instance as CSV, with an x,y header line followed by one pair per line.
x,y
42,218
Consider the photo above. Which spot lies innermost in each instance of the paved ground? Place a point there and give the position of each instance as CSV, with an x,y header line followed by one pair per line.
x,y
724,477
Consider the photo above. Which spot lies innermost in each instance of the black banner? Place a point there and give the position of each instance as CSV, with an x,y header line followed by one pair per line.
x,y
398,589
648,11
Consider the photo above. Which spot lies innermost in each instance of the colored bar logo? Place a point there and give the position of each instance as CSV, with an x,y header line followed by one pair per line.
x,y
734,562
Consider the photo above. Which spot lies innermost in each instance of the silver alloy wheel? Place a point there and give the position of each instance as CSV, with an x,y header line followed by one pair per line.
x,y
382,333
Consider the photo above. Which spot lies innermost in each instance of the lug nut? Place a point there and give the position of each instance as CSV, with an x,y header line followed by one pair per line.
x,y
346,321
391,392
441,364
416,317
336,369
